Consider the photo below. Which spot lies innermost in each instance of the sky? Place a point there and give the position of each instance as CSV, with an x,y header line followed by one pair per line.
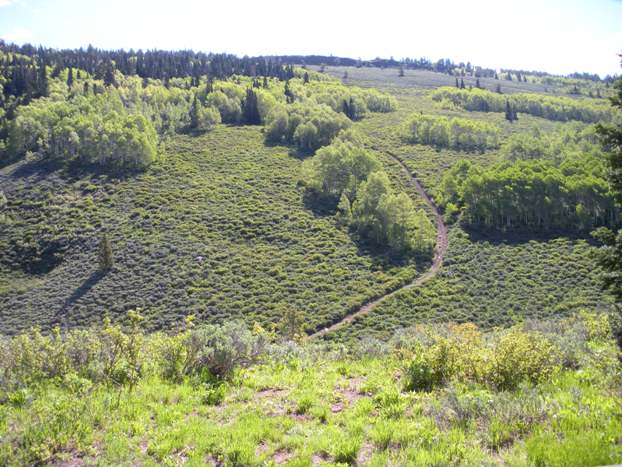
x,y
558,36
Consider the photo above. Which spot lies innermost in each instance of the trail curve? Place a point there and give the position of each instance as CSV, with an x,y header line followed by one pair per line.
x,y
440,250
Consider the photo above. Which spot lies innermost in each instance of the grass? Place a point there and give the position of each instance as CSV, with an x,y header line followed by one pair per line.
x,y
494,281
322,406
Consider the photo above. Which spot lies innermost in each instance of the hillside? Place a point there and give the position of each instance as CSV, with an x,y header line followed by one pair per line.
x,y
220,227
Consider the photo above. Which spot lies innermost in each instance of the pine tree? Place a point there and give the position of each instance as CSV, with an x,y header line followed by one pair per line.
x,y
265,82
477,85
250,108
509,113
105,254
462,83
195,110
109,74
306,78
70,78
498,89
42,80
457,83
401,72
610,255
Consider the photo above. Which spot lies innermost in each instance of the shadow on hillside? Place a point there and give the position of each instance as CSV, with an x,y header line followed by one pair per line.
x,y
320,205
518,237
383,257
87,285
36,169
292,151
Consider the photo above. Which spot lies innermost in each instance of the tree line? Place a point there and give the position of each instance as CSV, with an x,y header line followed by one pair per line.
x,y
558,108
529,194
455,133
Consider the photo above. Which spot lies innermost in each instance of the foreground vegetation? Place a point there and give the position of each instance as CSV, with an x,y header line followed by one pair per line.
x,y
539,393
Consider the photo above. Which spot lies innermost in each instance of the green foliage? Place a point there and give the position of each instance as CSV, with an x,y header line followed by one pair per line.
x,y
611,253
549,107
88,129
351,175
391,219
533,194
456,133
339,169
308,126
203,118
312,402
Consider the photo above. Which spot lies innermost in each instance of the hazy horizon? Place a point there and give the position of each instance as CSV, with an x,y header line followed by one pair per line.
x,y
560,37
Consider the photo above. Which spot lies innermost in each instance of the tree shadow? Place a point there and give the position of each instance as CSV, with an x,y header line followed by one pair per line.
x,y
383,256
37,169
87,285
320,205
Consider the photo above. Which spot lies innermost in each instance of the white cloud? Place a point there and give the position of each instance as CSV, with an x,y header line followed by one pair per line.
x,y
18,34
5,2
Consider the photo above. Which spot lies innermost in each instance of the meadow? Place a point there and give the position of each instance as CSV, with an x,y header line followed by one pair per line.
x,y
540,393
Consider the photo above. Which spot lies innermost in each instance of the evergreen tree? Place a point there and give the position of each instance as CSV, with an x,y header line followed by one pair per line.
x,y
462,83
457,83
42,80
109,74
611,253
477,84
250,109
401,72
498,89
306,78
70,78
509,112
265,82
195,111
105,254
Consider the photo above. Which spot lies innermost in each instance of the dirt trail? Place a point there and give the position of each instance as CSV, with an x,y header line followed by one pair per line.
x,y
439,253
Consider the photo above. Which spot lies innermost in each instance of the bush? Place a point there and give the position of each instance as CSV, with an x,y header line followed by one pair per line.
x,y
520,356
460,353
219,350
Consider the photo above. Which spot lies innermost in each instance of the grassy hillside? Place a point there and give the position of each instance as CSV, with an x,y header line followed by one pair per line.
x,y
543,393
488,277
219,228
